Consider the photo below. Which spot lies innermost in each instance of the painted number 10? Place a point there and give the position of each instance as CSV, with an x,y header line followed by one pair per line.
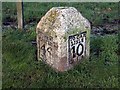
x,y
77,50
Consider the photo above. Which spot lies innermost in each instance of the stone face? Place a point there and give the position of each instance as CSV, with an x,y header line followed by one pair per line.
x,y
63,37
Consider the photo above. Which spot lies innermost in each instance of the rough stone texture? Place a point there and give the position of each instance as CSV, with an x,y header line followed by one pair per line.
x,y
53,33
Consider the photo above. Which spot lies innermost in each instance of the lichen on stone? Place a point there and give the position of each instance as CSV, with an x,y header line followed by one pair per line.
x,y
71,32
49,20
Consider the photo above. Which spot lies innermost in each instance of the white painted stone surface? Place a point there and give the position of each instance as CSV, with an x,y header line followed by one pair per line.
x,y
58,24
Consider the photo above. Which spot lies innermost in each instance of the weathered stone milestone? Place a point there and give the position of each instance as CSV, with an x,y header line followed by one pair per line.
x,y
63,38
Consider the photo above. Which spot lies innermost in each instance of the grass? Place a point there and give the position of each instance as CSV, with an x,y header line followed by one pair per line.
x,y
22,70
96,13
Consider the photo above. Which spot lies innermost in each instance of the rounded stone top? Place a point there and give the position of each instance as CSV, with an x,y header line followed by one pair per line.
x,y
62,19
62,8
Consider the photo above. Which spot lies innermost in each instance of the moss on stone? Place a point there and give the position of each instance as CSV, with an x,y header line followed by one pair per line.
x,y
71,32
49,20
